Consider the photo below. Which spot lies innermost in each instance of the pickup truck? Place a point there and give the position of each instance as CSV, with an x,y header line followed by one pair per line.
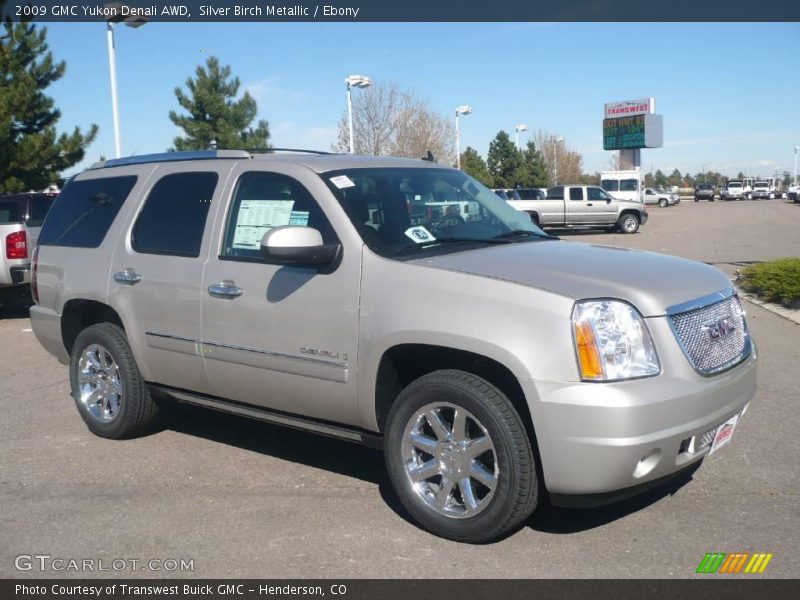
x,y
583,206
734,191
762,191
21,218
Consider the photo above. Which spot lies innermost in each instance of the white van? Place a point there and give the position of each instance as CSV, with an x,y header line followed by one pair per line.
x,y
623,185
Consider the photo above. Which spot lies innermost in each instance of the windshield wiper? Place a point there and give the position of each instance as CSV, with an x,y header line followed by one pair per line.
x,y
451,240
520,233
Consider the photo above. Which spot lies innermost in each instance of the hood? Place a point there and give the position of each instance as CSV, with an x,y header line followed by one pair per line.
x,y
651,282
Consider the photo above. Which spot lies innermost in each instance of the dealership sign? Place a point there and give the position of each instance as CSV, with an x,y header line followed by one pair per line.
x,y
628,108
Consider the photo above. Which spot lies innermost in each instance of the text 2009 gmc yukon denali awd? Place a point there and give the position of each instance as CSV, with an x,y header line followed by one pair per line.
x,y
319,292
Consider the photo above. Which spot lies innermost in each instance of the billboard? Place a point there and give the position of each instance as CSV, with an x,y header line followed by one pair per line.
x,y
631,132
628,108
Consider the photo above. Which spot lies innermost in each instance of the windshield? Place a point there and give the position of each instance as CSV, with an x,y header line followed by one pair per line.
x,y
404,211
704,186
735,185
761,184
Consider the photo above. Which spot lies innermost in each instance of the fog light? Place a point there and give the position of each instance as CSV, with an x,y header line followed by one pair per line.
x,y
647,463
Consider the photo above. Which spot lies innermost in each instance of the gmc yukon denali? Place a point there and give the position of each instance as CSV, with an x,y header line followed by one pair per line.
x,y
494,364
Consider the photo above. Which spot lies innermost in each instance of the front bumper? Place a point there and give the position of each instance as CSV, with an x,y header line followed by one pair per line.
x,y
761,195
597,438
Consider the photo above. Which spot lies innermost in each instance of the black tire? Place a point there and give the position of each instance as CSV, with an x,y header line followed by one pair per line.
x,y
516,492
534,218
696,199
137,412
628,223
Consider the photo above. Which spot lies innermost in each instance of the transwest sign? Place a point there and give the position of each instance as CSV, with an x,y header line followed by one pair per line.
x,y
628,108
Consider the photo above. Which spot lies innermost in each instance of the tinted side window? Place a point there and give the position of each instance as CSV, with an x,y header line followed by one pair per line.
x,y
556,193
628,185
11,210
84,211
596,194
265,200
576,193
40,206
174,215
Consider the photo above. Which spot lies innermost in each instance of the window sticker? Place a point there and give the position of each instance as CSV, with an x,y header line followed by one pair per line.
x,y
299,218
257,217
419,234
342,181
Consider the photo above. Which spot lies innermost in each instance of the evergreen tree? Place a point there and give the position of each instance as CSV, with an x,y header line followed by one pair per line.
x,y
504,160
532,171
215,114
660,179
32,153
473,165
675,178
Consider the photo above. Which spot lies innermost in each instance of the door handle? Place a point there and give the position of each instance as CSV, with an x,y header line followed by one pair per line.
x,y
589,204
225,289
128,277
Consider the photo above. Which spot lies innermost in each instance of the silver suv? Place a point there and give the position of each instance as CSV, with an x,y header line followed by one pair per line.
x,y
492,362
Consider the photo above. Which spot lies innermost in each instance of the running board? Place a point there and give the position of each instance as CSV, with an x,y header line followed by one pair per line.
x,y
372,440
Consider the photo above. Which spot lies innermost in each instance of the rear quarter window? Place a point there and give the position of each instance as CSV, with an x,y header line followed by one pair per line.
x,y
11,211
84,211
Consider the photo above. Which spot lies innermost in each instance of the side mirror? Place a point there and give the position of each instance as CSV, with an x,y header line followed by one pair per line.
x,y
297,246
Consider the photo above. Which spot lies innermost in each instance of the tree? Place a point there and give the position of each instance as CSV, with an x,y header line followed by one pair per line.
x,y
532,172
660,179
215,114
563,164
32,153
473,165
649,180
504,160
675,178
388,121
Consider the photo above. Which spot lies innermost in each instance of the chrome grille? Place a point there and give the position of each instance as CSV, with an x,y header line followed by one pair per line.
x,y
713,337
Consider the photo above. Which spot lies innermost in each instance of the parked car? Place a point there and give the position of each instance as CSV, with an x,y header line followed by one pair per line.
x,y
761,191
531,193
663,199
492,363
735,190
704,191
623,185
21,217
507,193
793,193
582,206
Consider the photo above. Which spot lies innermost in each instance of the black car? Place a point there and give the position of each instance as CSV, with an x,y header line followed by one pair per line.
x,y
704,191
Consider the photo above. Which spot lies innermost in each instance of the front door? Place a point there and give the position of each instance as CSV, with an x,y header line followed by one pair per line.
x,y
275,336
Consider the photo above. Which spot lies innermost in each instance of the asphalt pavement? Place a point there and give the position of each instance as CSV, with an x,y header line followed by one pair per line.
x,y
240,498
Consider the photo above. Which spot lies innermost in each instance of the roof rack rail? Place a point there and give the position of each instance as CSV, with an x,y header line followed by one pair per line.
x,y
170,157
301,150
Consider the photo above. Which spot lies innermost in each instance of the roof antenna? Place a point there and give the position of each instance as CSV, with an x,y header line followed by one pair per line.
x,y
429,157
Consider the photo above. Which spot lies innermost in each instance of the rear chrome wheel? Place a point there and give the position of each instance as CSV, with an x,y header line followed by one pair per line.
x,y
99,385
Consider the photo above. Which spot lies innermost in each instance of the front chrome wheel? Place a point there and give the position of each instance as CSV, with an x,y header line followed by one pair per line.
x,y
100,388
450,460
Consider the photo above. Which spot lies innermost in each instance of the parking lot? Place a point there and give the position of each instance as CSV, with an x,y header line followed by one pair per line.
x,y
240,498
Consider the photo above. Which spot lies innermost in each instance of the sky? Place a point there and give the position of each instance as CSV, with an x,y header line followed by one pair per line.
x,y
729,93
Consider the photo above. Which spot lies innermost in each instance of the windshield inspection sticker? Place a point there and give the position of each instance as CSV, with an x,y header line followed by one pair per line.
x,y
342,181
419,234
299,218
257,217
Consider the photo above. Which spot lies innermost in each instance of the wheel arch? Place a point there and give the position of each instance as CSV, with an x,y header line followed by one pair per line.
x,y
78,314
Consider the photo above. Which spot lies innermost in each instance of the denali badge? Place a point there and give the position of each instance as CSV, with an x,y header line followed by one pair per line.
x,y
719,329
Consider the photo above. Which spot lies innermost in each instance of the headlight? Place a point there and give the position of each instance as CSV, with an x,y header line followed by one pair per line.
x,y
612,341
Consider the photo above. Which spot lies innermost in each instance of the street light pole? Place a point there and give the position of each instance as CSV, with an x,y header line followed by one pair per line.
x,y
796,148
112,68
517,129
555,158
358,81
116,16
460,110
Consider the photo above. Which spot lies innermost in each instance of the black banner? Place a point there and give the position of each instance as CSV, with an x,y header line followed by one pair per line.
x,y
733,588
402,11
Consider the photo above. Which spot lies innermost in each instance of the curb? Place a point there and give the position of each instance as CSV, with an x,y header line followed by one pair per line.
x,y
791,314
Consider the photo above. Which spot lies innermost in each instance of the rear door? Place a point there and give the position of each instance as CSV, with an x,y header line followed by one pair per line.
x,y
276,336
157,270
576,206
551,211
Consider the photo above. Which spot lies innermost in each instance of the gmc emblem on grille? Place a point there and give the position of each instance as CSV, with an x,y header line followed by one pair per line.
x,y
720,329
